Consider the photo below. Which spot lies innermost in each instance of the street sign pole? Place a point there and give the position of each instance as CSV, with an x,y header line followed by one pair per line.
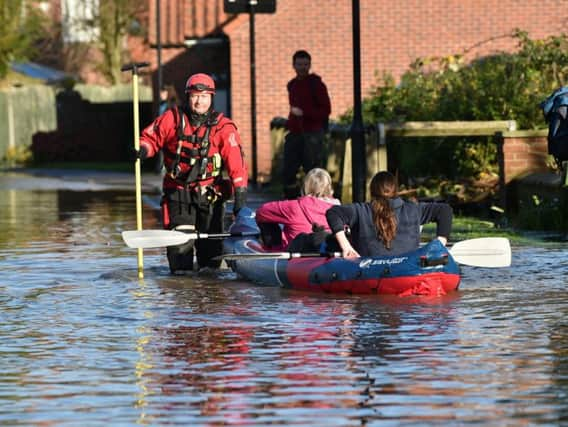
x,y
359,164
251,7
159,50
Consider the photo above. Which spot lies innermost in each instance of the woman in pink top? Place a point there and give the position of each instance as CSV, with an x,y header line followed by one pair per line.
x,y
302,214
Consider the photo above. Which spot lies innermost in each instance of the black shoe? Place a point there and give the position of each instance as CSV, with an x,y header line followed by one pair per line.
x,y
214,264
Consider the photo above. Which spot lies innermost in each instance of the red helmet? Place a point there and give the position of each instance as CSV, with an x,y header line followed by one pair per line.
x,y
200,83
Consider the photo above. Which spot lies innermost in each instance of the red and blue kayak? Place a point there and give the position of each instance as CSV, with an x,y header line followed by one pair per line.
x,y
429,270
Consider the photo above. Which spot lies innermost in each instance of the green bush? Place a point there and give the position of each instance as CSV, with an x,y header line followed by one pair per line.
x,y
506,86
543,213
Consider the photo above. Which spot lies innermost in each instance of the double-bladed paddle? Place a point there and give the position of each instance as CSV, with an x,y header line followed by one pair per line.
x,y
480,252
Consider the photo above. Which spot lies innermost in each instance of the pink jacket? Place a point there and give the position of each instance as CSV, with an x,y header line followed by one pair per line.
x,y
297,216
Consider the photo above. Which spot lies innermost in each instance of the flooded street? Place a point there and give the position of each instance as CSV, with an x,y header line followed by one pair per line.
x,y
84,342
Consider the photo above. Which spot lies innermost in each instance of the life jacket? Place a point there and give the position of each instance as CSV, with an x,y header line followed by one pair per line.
x,y
193,152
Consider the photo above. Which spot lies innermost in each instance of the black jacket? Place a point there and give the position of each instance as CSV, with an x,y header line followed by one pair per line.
x,y
410,216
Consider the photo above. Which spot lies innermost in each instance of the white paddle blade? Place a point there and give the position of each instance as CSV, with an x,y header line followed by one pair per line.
x,y
483,252
155,238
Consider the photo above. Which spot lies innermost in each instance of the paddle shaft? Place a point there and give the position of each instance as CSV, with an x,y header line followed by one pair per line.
x,y
480,252
277,255
221,235
134,67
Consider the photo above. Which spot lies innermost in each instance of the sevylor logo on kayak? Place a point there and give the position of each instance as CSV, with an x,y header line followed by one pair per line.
x,y
366,263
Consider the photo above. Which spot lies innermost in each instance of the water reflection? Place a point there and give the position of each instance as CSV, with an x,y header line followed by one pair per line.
x,y
83,341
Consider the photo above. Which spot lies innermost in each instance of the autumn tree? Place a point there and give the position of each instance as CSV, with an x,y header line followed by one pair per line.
x,y
107,24
117,19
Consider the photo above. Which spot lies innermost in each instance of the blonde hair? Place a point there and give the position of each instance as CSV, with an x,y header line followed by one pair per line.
x,y
384,187
317,183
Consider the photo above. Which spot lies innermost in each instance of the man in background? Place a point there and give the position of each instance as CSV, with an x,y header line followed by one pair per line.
x,y
310,108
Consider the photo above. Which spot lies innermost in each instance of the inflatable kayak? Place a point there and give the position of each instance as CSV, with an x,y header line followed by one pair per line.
x,y
430,270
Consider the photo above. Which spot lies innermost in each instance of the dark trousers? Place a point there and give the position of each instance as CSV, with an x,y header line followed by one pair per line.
x,y
300,150
192,208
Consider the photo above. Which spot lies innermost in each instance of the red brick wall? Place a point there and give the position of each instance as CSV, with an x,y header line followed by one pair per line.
x,y
181,19
393,34
523,154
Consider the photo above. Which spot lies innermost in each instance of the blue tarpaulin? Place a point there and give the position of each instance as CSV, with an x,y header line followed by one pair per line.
x,y
37,71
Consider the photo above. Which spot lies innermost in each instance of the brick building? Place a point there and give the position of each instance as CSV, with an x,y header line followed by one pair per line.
x,y
197,36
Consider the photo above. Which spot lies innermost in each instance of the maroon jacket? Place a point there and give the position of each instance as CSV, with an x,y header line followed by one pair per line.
x,y
309,94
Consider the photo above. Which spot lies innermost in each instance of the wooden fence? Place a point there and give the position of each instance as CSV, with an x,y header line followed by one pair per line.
x,y
65,117
377,143
339,162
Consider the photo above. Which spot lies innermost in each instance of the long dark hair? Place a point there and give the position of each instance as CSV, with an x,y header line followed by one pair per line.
x,y
384,187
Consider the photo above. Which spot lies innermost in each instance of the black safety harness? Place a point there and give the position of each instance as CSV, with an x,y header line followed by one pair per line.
x,y
197,156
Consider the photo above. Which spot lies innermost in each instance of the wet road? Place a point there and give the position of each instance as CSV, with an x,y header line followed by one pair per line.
x,y
84,342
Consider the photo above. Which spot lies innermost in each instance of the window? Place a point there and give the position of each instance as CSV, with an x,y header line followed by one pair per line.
x,y
79,21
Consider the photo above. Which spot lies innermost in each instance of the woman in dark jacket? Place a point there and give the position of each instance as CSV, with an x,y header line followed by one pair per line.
x,y
387,225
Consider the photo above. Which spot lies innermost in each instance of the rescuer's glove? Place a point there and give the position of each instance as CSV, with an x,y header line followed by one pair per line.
x,y
240,199
141,154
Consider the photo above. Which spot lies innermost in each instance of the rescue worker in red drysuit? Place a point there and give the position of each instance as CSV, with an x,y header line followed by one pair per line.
x,y
198,143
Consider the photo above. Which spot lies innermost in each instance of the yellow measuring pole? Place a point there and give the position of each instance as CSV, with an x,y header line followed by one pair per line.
x,y
137,172
134,67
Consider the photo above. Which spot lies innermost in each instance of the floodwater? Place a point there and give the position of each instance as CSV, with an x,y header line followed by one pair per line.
x,y
84,342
